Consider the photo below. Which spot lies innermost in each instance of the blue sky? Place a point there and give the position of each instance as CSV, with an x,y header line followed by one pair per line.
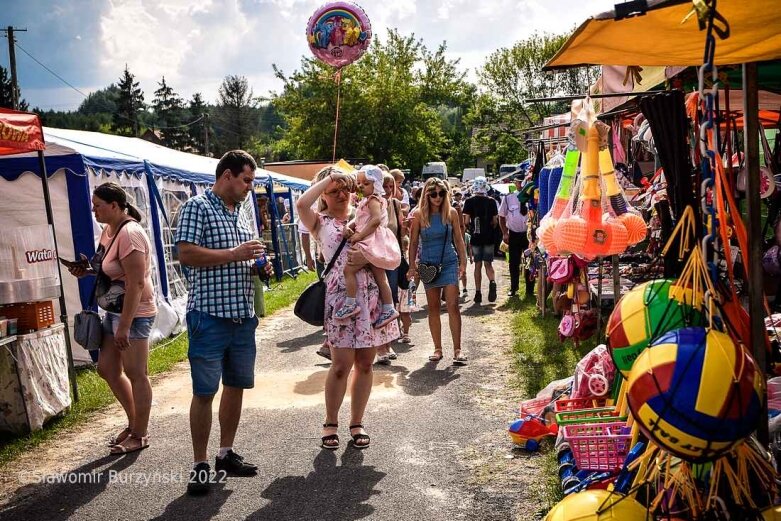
x,y
196,43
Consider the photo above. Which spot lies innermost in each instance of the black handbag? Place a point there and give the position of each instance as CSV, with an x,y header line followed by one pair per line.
x,y
428,272
109,294
403,265
310,306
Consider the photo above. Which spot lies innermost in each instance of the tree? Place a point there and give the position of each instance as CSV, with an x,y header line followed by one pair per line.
x,y
169,110
233,115
390,102
103,101
509,77
7,90
197,132
130,104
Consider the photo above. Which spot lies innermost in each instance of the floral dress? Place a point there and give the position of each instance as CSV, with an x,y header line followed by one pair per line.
x,y
357,332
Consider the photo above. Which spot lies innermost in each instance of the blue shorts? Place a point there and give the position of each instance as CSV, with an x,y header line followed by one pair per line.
x,y
220,347
141,327
483,253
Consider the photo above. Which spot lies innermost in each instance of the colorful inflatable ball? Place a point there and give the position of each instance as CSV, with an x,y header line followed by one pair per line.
x,y
597,505
695,393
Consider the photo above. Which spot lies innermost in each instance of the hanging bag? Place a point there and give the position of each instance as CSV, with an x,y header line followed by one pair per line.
x,y
403,265
87,327
310,306
429,271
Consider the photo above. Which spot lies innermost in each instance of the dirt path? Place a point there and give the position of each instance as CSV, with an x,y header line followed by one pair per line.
x,y
439,448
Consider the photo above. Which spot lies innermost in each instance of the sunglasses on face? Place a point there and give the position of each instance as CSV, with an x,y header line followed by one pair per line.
x,y
442,193
334,193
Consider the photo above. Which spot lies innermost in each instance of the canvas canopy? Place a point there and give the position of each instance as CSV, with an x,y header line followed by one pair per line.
x,y
660,36
158,180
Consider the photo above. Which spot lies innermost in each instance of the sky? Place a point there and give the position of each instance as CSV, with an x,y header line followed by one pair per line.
x,y
196,43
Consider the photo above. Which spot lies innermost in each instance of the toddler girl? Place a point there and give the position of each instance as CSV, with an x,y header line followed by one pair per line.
x,y
369,234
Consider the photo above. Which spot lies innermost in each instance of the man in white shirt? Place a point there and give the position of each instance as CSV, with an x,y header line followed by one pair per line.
x,y
401,193
513,220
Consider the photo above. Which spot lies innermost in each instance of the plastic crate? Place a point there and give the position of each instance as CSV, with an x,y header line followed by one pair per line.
x,y
575,404
533,407
31,316
598,446
599,415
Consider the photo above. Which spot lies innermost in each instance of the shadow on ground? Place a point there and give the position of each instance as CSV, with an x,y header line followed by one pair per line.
x,y
73,489
328,492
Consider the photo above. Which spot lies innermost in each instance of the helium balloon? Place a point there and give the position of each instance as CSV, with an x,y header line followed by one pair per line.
x,y
339,33
695,393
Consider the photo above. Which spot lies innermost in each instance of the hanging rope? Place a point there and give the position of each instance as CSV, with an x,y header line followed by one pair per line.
x,y
338,78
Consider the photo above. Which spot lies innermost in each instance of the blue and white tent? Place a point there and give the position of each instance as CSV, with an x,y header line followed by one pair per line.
x,y
158,179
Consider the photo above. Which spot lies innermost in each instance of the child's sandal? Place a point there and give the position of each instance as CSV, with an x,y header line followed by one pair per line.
x,y
330,441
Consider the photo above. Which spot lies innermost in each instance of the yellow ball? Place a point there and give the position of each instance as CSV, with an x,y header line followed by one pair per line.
x,y
583,506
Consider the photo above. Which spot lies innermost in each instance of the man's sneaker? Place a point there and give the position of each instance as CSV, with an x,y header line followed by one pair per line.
x,y
478,297
464,293
200,479
385,318
492,291
235,465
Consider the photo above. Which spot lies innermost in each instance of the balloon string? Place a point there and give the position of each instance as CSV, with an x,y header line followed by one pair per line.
x,y
338,77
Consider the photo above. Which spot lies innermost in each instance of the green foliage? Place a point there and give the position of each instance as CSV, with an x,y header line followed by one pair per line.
x,y
389,111
233,116
103,101
509,77
171,117
7,92
197,133
130,104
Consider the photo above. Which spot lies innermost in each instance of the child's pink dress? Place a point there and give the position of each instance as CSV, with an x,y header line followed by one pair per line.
x,y
381,248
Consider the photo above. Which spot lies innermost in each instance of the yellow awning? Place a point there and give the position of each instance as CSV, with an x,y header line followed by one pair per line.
x,y
659,38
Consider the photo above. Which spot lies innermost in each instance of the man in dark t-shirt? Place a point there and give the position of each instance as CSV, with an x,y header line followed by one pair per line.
x,y
480,212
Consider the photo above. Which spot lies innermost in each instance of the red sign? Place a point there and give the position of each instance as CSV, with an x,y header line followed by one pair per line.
x,y
20,132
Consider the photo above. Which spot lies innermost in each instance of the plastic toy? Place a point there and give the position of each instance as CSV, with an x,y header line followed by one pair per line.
x,y
695,393
597,505
527,433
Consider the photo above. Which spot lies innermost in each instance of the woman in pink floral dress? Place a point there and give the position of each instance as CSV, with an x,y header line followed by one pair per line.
x,y
354,342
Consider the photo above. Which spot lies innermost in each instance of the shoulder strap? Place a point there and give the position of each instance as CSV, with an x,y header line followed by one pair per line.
x,y
333,259
100,266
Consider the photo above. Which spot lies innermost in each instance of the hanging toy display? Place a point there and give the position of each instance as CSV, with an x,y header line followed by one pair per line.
x,y
560,201
695,393
339,33
643,314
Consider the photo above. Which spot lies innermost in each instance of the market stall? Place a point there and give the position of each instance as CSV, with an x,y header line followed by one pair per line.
x,y
670,414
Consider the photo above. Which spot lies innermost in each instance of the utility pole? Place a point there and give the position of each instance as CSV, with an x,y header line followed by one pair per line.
x,y
12,56
206,134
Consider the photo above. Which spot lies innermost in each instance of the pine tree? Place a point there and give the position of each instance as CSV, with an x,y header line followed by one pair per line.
x,y
6,92
197,132
129,106
234,111
169,109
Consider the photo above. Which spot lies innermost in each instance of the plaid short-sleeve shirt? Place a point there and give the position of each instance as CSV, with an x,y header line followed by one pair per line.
x,y
226,290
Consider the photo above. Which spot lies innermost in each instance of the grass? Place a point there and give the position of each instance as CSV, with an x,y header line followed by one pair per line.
x,y
541,358
94,393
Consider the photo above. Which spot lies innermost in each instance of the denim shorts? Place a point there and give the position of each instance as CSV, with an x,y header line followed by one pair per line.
x,y
220,347
483,253
141,327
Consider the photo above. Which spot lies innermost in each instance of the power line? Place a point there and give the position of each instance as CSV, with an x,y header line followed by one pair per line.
x,y
184,125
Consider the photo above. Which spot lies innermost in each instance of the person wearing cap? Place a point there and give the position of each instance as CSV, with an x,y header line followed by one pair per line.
x,y
458,204
514,224
481,213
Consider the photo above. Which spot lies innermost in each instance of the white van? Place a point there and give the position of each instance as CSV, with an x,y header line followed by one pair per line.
x,y
471,173
435,169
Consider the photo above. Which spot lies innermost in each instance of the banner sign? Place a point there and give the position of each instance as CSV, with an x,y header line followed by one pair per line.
x,y
20,132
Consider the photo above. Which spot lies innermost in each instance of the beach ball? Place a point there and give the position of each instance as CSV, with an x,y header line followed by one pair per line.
x,y
584,506
642,315
696,393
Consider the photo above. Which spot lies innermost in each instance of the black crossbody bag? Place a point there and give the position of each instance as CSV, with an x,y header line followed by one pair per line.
x,y
310,306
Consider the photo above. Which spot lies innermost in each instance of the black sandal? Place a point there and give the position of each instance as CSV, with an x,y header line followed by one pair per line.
x,y
360,437
331,441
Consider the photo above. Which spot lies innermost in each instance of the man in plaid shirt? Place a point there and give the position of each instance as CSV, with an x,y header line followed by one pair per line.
x,y
217,243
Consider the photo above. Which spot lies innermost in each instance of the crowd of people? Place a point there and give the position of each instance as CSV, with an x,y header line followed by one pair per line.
x,y
382,238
